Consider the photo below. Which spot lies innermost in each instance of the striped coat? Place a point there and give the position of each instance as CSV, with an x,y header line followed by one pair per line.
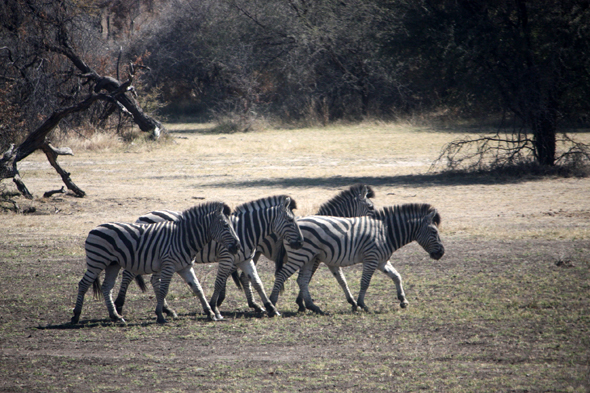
x,y
165,248
340,242
253,222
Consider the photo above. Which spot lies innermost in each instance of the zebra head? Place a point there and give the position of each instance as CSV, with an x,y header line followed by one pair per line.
x,y
285,226
354,202
362,204
428,237
223,232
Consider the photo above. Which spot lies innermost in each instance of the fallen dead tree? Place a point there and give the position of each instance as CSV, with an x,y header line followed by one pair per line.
x,y
38,140
116,93
103,88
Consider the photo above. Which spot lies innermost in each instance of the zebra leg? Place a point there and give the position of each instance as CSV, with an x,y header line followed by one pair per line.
x,y
111,273
89,277
125,281
224,269
282,275
337,272
155,281
165,277
368,270
247,286
299,299
188,274
303,280
388,269
249,269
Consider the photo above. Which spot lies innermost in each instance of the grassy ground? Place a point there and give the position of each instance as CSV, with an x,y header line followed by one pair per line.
x,y
506,309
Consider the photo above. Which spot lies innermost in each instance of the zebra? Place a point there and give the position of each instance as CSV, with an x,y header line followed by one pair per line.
x,y
352,202
164,247
253,222
371,241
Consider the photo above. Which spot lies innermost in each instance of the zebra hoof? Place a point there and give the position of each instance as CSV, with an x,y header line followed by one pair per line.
x,y
161,321
354,308
271,310
404,304
76,318
317,310
212,317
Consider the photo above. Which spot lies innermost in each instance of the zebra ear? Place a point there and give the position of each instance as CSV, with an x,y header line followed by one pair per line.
x,y
226,210
369,193
432,217
366,192
290,203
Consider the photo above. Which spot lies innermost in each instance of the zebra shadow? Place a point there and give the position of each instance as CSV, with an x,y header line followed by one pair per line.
x,y
93,323
332,313
107,322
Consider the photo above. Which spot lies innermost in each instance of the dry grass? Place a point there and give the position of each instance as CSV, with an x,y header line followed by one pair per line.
x,y
309,164
504,310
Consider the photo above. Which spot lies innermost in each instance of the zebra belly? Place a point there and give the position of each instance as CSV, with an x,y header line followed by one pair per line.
x,y
143,267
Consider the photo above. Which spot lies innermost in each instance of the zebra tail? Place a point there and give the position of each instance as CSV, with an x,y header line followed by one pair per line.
x,y
236,278
140,282
96,288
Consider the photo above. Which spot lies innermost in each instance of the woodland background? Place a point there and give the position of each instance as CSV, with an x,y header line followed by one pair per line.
x,y
521,66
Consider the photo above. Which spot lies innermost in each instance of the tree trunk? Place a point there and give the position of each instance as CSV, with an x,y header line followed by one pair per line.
x,y
544,127
544,131
126,103
38,140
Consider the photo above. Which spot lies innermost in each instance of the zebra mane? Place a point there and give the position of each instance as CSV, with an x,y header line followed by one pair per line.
x,y
205,208
345,195
265,203
410,209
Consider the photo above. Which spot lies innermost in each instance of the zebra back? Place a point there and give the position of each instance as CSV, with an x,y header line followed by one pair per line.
x,y
158,216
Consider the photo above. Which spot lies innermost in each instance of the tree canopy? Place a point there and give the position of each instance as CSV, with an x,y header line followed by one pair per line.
x,y
318,61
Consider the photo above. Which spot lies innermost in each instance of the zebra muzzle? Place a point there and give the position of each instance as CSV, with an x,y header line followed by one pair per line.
x,y
437,254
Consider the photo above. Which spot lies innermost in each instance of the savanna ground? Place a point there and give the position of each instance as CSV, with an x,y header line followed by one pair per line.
x,y
506,309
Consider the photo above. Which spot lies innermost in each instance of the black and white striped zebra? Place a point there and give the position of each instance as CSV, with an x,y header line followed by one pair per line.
x,y
253,222
352,202
371,241
164,248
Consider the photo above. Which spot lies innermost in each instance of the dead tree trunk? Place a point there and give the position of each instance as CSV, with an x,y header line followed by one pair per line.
x,y
38,140
125,102
105,88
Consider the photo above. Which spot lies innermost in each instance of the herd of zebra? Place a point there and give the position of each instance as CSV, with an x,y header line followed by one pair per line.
x,y
346,230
